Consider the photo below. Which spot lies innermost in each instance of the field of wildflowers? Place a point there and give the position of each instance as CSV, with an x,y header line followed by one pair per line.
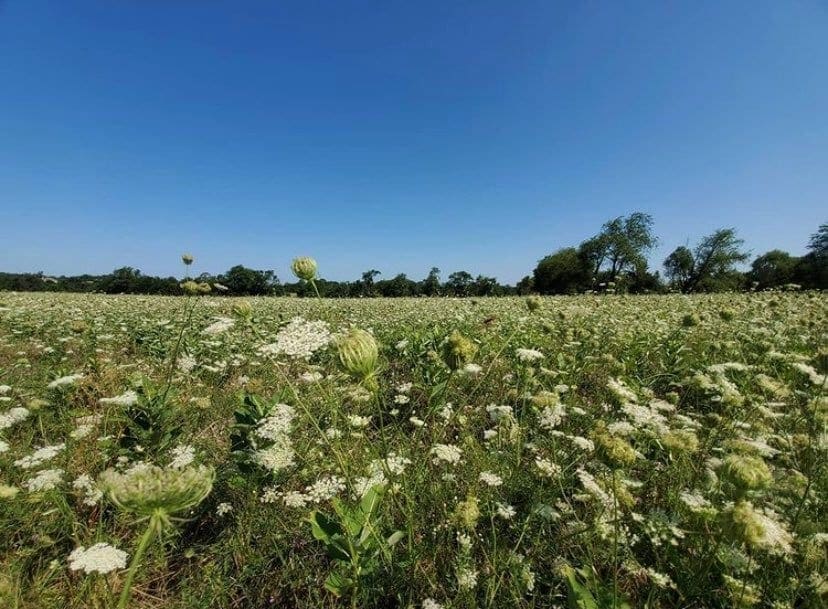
x,y
586,452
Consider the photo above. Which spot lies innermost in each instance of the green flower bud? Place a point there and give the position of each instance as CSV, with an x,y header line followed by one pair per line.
x,y
358,353
187,259
467,513
190,288
616,452
746,472
458,351
680,441
304,268
242,309
533,303
148,489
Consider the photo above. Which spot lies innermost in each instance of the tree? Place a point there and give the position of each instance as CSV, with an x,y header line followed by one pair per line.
x,y
430,286
485,286
774,269
459,283
242,281
564,272
679,267
812,270
368,281
711,266
622,245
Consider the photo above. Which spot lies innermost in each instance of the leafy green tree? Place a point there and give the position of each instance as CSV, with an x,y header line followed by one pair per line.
x,y
711,266
241,280
430,286
774,269
622,245
459,283
367,282
564,272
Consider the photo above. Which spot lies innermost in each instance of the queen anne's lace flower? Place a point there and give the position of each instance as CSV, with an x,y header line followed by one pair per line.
x,y
100,558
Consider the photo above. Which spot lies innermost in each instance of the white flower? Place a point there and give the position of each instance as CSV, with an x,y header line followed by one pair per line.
x,y
299,339
182,456
311,377
446,452
64,381
4,389
490,479
39,456
222,324
186,363
358,421
223,508
81,431
466,578
45,480
505,511
100,558
277,457
92,494
277,423
528,355
547,468
3,446
127,398
430,603
471,369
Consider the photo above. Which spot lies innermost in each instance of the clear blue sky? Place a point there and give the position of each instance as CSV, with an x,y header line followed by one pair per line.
x,y
399,135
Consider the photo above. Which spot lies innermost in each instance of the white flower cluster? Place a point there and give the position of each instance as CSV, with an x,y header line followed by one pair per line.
x,y
65,381
182,456
324,489
222,324
299,338
40,456
528,355
276,429
449,453
45,480
13,416
100,558
127,398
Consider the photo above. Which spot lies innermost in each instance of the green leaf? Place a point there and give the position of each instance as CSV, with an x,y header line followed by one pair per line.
x,y
338,583
323,527
394,538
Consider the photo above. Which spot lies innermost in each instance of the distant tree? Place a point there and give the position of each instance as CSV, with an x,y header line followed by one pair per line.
x,y
564,272
459,283
679,267
711,266
368,281
812,270
397,287
242,281
622,245
773,269
525,286
430,286
485,286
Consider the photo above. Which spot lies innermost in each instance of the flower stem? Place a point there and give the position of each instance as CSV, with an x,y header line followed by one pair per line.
x,y
153,528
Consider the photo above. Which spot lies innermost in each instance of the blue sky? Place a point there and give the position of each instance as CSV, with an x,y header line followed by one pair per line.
x,y
401,135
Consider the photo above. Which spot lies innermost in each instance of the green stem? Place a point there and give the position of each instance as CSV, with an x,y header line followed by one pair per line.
x,y
315,289
153,528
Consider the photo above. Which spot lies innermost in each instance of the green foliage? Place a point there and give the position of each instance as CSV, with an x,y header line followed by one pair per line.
x,y
353,541
152,424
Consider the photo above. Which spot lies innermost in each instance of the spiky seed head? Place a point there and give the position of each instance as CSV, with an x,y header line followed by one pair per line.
x,y
148,489
746,472
242,309
358,353
467,513
458,351
187,259
304,267
533,303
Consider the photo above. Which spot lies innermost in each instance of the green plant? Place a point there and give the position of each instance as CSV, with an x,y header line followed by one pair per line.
x,y
354,541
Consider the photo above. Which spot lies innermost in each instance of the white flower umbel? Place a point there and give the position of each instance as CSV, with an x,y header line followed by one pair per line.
x,y
101,558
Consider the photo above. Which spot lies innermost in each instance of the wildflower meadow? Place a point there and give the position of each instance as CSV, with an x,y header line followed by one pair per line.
x,y
591,452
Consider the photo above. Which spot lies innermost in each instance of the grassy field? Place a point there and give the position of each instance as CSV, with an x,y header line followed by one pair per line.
x,y
591,452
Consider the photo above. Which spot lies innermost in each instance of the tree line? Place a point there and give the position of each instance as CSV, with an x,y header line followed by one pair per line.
x,y
614,261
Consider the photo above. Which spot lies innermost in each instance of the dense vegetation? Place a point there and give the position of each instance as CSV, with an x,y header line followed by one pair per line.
x,y
586,451
614,260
